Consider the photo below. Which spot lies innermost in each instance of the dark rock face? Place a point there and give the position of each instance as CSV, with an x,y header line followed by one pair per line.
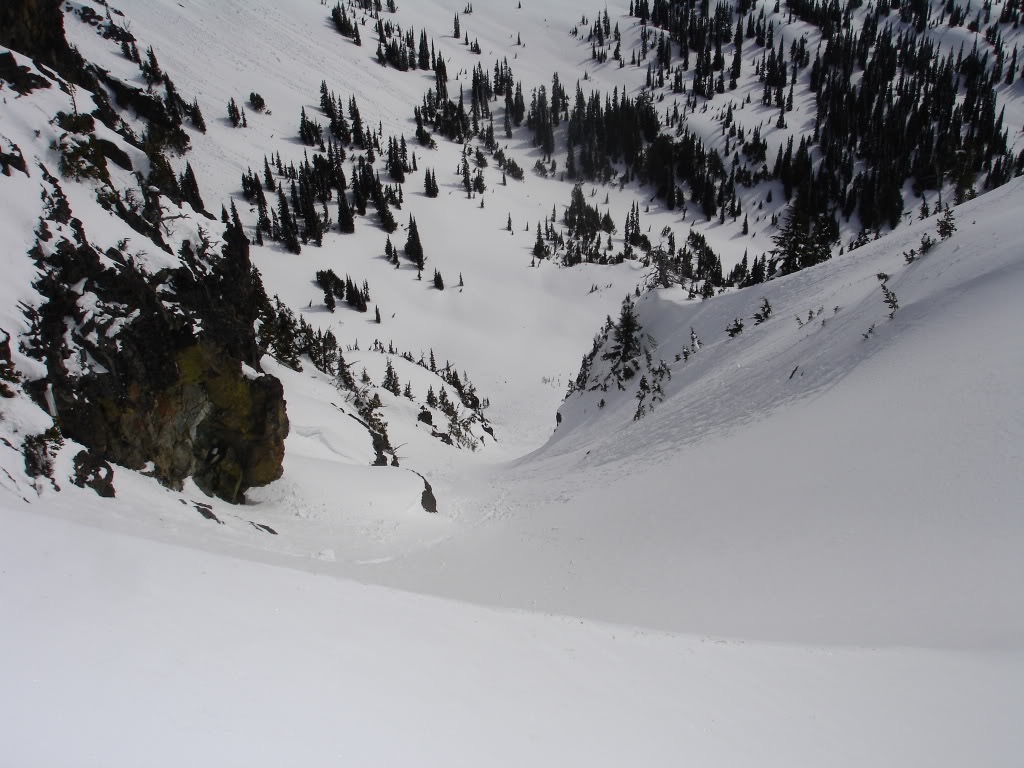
x,y
34,28
427,499
8,373
145,370
207,421
93,472
156,378
240,442
21,79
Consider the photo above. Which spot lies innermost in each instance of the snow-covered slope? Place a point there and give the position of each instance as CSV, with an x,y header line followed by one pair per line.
x,y
807,549
510,326
797,482
117,652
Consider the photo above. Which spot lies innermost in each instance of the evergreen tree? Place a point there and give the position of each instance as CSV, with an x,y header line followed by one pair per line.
x,y
233,114
430,184
391,383
190,189
387,219
413,247
196,115
346,222
625,346
538,246
289,230
792,242
763,313
947,224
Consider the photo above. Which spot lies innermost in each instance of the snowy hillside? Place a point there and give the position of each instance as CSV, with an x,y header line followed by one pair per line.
x,y
167,655
661,451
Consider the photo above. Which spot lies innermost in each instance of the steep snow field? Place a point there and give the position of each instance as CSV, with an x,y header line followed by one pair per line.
x,y
871,497
809,553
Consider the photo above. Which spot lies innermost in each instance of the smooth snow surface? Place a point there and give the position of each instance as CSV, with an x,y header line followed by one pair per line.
x,y
167,656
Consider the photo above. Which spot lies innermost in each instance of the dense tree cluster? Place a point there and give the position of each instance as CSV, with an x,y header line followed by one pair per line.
x,y
301,213
335,289
622,356
583,220
891,106
345,24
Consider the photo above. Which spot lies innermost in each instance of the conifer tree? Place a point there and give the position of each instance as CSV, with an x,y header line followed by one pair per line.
x,y
430,183
391,383
792,242
763,313
625,345
151,69
538,246
289,230
387,219
190,189
947,224
413,247
196,115
346,222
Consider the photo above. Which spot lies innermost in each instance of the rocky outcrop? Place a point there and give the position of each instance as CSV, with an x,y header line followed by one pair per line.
x,y
91,471
427,499
35,28
8,373
207,421
21,79
156,372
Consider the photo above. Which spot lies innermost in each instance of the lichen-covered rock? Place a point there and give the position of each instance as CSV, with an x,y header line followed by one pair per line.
x,y
207,421
146,370
240,441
